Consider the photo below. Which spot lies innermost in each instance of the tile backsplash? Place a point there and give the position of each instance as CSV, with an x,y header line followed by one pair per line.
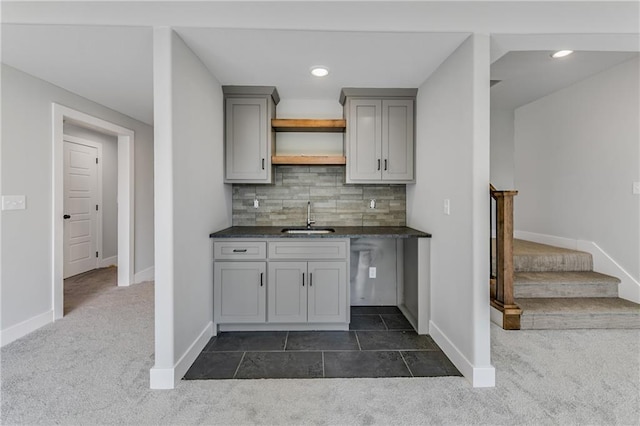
x,y
333,202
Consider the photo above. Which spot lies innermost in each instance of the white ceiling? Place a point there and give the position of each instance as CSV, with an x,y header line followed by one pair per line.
x,y
480,16
103,50
283,58
112,66
527,76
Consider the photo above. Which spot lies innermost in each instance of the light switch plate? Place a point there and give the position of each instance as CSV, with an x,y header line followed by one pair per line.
x,y
636,188
14,202
372,272
447,206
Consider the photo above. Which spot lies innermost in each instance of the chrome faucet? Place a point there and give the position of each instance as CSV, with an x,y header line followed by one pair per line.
x,y
309,221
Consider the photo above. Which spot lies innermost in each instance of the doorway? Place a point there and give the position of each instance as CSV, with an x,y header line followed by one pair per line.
x,y
125,189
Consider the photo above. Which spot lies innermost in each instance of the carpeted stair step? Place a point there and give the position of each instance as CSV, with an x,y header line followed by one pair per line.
x,y
577,313
534,257
564,284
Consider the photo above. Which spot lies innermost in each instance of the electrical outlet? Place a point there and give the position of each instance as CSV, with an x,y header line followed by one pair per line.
x,y
256,203
447,207
372,204
14,202
636,188
372,272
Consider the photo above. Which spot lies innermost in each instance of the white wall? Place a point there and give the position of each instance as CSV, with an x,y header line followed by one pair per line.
x,y
452,150
109,185
577,152
502,160
27,170
191,202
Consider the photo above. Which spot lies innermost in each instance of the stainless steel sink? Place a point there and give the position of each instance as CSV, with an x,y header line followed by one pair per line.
x,y
308,231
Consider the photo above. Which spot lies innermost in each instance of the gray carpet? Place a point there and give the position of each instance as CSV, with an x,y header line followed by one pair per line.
x,y
92,367
531,257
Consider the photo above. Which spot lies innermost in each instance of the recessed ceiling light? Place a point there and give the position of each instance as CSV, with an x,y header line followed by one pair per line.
x,y
319,71
561,54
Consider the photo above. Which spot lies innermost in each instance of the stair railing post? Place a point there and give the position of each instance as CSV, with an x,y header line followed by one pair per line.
x,y
503,295
504,262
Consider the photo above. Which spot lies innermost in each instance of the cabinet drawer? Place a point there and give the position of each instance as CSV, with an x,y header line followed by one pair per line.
x,y
240,250
308,250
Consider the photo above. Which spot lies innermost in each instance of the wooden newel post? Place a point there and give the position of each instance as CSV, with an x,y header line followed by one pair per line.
x,y
502,296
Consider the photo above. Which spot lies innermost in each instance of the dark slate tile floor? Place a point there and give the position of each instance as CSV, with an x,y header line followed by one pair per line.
x,y
380,343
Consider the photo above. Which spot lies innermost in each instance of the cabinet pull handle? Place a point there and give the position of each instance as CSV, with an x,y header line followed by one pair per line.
x,y
239,250
261,279
385,164
263,164
303,279
310,279
378,164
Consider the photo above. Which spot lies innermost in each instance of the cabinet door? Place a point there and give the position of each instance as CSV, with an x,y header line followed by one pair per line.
x,y
364,143
246,140
287,292
327,292
239,292
397,140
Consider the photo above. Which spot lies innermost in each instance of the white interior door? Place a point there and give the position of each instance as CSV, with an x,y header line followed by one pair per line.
x,y
80,208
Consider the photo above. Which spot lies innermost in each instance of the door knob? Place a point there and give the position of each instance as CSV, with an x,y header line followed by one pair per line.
x,y
66,216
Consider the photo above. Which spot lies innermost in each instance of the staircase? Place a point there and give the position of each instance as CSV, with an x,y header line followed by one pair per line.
x,y
556,288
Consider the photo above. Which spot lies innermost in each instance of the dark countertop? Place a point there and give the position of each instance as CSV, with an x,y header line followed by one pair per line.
x,y
341,232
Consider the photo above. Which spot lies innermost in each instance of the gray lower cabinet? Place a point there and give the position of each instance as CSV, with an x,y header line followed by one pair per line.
x,y
262,284
239,292
288,283
327,299
314,292
380,140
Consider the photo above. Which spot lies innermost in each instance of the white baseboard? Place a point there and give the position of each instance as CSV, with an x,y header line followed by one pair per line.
x,y
629,287
108,261
496,316
161,378
480,377
166,378
484,377
148,274
25,327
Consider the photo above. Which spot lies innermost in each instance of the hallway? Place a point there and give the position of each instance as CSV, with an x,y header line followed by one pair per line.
x,y
86,287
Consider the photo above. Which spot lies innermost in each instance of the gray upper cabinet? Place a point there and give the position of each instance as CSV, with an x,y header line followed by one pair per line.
x,y
364,140
379,140
249,139
397,140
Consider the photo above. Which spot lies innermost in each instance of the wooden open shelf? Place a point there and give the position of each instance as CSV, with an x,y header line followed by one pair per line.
x,y
309,159
308,125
